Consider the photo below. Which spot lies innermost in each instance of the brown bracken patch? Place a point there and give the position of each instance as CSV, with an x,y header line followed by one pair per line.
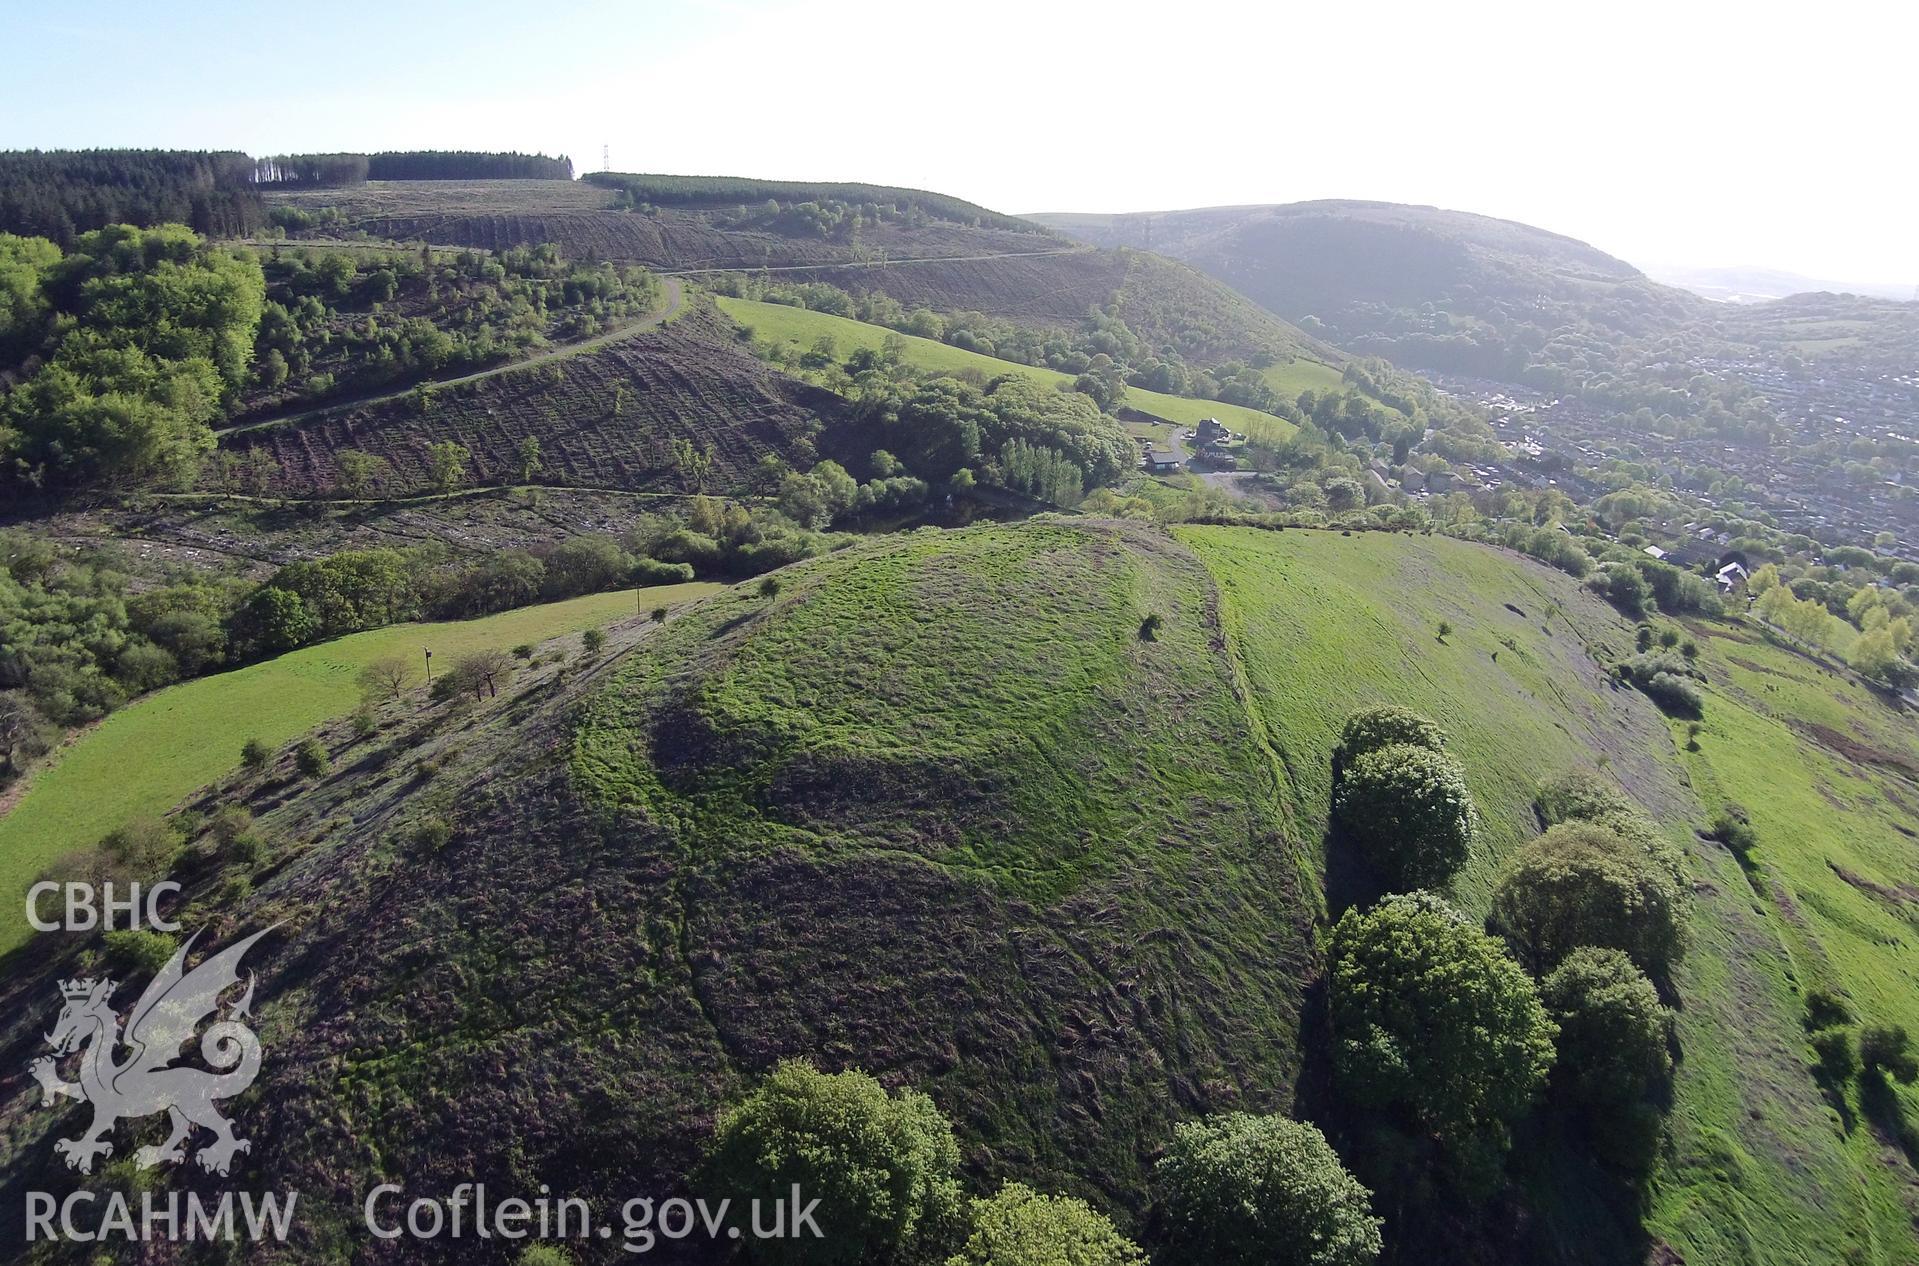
x,y
1862,753
1897,894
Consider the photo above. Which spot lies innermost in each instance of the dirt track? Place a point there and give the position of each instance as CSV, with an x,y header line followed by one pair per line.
x,y
675,297
881,263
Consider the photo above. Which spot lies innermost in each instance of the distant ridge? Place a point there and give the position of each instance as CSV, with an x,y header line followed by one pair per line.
x,y
1758,285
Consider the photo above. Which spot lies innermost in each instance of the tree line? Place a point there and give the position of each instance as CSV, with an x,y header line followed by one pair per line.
x,y
427,164
1447,1035
721,191
60,194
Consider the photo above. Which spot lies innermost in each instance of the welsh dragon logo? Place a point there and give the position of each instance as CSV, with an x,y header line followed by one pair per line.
x,y
145,1082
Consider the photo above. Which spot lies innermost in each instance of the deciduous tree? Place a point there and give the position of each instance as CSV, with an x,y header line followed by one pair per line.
x,y
1430,1015
1020,1227
1245,1190
881,1166
446,464
1580,884
1408,812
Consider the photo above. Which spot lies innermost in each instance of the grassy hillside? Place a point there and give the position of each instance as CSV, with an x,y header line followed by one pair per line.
x,y
1035,865
1761,1169
1327,624
145,758
799,328
1830,779
938,810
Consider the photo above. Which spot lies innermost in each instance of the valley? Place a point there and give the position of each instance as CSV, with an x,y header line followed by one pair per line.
x,y
1794,411
1340,724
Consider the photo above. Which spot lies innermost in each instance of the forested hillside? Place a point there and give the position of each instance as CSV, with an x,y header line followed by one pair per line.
x,y
61,193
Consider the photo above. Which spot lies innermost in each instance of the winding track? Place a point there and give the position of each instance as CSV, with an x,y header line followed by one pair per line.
x,y
675,299
874,263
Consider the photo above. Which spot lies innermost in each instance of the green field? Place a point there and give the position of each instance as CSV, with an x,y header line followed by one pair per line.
x,y
777,324
1296,376
151,754
1327,624
1762,1168
1830,778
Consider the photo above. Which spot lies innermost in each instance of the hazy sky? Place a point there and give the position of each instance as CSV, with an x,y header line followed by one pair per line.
x,y
1686,133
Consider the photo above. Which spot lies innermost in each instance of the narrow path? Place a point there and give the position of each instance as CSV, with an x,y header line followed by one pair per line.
x,y
478,490
874,263
675,297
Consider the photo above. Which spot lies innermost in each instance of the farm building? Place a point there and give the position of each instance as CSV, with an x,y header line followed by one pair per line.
x,y
1161,460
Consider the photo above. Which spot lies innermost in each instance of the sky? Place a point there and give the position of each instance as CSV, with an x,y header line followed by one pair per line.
x,y
1683,133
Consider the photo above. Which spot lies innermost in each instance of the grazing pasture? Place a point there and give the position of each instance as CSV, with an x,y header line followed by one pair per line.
x,y
146,757
1763,1167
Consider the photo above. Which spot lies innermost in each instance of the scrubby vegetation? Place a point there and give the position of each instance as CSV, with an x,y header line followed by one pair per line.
x,y
875,201
141,338
946,432
342,322
80,640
